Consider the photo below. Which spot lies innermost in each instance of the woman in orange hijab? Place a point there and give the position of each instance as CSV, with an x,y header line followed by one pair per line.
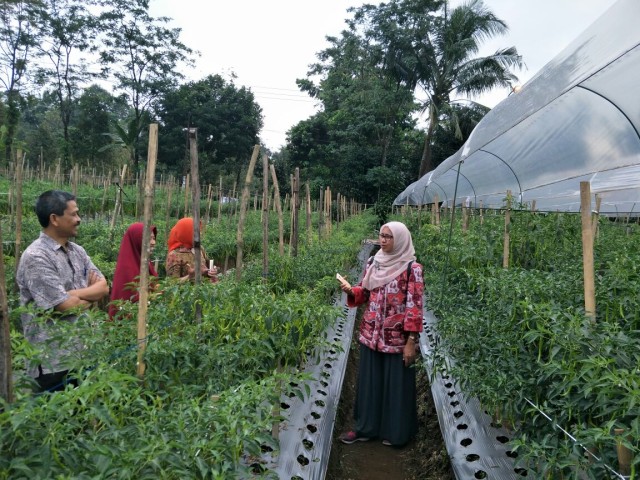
x,y
181,257
127,274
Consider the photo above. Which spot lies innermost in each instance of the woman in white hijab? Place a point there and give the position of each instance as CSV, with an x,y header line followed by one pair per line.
x,y
392,288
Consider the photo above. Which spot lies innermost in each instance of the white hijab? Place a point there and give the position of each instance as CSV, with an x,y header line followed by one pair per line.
x,y
387,266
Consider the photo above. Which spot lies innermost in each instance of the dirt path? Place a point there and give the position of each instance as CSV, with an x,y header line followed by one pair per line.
x,y
425,458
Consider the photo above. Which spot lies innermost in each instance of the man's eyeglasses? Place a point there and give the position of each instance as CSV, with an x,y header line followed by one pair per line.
x,y
386,236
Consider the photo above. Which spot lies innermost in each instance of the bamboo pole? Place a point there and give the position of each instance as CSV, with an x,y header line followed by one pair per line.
x,y
595,216
465,216
625,455
186,194
295,206
308,211
321,215
152,155
209,200
195,205
167,213
507,222
116,208
276,197
6,374
243,211
265,218
220,199
587,251
18,223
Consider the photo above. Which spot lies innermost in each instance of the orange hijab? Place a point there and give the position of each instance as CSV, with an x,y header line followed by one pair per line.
x,y
181,235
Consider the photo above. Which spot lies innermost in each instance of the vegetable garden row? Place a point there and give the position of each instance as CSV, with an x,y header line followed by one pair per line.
x,y
208,402
566,384
563,382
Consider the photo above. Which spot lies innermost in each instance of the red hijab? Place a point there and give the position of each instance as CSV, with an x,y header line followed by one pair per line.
x,y
128,266
181,234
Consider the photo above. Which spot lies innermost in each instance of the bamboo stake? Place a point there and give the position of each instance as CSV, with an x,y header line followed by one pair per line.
x,y
587,251
321,215
243,211
186,194
507,221
220,199
18,242
625,455
308,211
195,205
152,155
265,218
595,216
295,205
276,198
6,374
209,199
116,208
167,214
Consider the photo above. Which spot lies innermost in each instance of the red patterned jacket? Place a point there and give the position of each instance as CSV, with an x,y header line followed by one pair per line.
x,y
390,317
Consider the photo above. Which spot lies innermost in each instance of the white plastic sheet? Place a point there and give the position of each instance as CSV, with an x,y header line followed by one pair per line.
x,y
577,120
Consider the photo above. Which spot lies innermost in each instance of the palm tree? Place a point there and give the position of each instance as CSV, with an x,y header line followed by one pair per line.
x,y
449,64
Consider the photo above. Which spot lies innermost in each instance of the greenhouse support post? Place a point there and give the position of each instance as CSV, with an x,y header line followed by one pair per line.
x,y
146,240
587,251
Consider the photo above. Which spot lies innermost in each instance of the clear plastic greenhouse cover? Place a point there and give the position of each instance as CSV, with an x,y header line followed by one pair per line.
x,y
577,119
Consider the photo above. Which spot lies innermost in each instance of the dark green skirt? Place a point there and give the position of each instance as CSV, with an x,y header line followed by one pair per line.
x,y
385,397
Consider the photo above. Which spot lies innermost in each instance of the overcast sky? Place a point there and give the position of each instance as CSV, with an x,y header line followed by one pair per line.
x,y
269,44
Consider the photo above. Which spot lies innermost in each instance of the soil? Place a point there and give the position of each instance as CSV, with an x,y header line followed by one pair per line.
x,y
424,458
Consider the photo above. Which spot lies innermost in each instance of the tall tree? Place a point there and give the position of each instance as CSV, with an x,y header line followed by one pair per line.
x,y
442,60
67,28
142,54
363,124
96,113
227,117
17,37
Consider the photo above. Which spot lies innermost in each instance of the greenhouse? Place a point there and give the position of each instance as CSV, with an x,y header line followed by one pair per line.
x,y
577,119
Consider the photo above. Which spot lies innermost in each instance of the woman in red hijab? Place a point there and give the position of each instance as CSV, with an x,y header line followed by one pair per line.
x,y
126,276
181,255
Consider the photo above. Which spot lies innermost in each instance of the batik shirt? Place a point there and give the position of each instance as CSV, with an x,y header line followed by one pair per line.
x,y
390,314
46,272
181,259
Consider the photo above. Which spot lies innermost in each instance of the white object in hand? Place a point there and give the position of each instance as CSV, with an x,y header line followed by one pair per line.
x,y
210,264
342,280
